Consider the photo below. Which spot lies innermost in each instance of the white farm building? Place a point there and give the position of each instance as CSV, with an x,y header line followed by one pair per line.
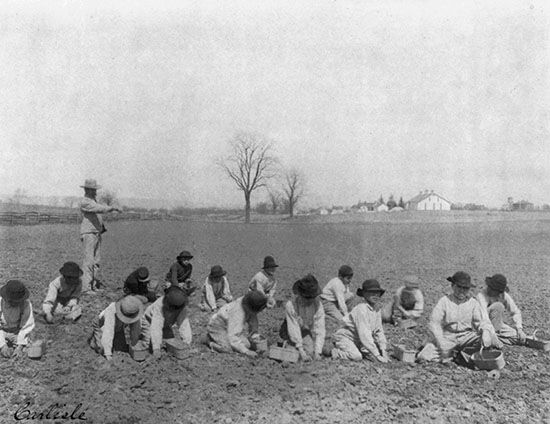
x,y
428,201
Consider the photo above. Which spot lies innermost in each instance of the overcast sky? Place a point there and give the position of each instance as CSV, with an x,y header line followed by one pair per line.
x,y
365,97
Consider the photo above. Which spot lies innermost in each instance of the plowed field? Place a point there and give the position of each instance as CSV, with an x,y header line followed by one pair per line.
x,y
209,387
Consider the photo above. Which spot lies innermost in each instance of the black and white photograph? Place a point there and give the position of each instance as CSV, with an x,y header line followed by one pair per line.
x,y
330,211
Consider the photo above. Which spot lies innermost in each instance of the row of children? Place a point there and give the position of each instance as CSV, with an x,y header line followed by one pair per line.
x,y
457,321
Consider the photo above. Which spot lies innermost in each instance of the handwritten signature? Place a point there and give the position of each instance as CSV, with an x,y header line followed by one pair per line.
x,y
55,411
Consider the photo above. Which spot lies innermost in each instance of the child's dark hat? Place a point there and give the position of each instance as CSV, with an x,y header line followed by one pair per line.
x,y
217,271
269,262
175,297
184,254
70,269
370,286
497,283
143,274
307,286
14,290
345,271
461,279
254,301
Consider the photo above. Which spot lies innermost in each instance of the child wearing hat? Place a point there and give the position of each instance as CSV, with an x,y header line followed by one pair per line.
x,y
215,292
457,322
161,315
108,328
337,296
304,324
227,327
137,284
362,333
407,302
264,281
64,293
495,301
179,274
16,318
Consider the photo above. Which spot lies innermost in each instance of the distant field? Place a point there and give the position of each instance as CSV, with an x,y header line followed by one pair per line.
x,y
210,387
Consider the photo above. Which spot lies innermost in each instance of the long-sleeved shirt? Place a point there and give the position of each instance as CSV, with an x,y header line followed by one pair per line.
x,y
364,326
61,292
213,291
233,318
418,308
179,273
337,291
309,317
108,323
16,319
509,304
264,283
449,316
92,222
156,318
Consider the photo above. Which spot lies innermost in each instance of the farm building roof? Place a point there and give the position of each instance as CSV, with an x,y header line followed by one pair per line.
x,y
421,196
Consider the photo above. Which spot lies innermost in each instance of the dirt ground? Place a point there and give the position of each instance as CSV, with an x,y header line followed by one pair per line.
x,y
210,387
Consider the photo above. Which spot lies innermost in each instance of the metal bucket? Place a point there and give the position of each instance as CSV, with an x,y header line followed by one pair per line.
x,y
36,349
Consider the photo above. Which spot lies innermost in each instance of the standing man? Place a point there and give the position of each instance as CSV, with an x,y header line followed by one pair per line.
x,y
90,233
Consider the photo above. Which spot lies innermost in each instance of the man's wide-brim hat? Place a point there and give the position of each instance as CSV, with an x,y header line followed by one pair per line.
x,y
269,262
129,309
217,271
307,286
461,279
70,269
14,290
370,286
184,254
90,183
254,301
497,283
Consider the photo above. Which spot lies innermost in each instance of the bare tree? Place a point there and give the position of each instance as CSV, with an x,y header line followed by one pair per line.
x,y
250,164
107,196
293,188
275,199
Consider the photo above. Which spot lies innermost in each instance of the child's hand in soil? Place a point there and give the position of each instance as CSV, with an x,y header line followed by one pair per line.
x,y
18,352
304,356
6,351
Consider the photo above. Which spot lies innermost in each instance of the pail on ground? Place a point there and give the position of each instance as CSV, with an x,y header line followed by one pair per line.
x,y
284,353
536,343
36,349
177,348
403,354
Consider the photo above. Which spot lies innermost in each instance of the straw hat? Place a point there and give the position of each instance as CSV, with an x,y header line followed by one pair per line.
x,y
129,309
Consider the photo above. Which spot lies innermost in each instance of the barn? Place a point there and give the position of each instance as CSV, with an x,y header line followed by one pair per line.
x,y
428,201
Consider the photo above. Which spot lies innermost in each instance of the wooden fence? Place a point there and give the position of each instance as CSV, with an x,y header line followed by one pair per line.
x,y
34,218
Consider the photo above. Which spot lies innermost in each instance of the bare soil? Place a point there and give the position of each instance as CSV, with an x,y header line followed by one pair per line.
x,y
210,387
